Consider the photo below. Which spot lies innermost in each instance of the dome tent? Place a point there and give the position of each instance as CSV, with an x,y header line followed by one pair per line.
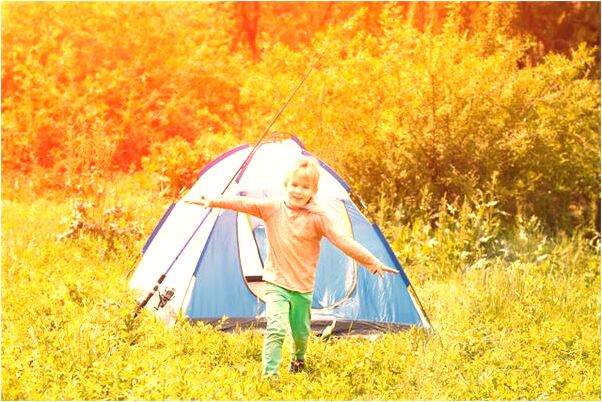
x,y
210,261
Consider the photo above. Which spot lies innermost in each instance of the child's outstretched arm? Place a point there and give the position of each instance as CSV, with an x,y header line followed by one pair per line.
x,y
354,249
253,206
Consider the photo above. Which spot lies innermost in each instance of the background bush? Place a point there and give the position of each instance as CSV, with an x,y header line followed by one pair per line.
x,y
416,97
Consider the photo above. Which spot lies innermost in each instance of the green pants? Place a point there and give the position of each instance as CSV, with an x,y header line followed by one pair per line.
x,y
285,308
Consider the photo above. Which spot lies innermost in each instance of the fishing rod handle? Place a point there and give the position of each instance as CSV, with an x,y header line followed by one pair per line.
x,y
149,296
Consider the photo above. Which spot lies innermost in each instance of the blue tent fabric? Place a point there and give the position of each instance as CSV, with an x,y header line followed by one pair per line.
x,y
396,263
375,299
361,221
381,300
219,288
335,276
260,238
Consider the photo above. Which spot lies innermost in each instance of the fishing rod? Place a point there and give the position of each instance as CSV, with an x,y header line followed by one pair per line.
x,y
236,177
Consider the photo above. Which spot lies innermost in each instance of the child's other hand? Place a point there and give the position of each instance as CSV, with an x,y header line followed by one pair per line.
x,y
381,269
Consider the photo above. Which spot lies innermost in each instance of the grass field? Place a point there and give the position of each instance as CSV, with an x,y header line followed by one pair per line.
x,y
520,327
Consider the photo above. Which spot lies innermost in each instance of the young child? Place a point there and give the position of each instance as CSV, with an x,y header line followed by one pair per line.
x,y
294,226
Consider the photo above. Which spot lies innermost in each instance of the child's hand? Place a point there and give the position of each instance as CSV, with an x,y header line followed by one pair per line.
x,y
203,202
381,269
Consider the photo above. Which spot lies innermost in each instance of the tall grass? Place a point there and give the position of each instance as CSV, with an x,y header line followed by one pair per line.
x,y
517,319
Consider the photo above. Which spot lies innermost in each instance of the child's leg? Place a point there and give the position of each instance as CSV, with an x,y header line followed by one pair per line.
x,y
277,312
300,318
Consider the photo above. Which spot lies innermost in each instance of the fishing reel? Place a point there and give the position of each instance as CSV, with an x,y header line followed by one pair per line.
x,y
165,297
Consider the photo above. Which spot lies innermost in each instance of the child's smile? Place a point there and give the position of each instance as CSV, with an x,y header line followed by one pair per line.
x,y
299,191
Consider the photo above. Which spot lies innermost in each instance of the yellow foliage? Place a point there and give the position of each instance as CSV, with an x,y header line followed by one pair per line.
x,y
509,328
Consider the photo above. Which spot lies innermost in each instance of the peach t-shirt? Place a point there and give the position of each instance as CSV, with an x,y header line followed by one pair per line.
x,y
293,236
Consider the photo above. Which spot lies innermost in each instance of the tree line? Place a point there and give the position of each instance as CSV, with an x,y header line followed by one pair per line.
x,y
422,101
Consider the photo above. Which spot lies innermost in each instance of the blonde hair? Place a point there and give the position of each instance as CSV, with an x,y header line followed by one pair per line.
x,y
307,168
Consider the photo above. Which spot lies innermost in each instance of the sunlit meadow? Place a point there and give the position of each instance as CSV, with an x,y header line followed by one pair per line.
x,y
472,130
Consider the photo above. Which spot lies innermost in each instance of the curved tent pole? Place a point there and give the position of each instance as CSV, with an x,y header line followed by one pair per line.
x,y
236,177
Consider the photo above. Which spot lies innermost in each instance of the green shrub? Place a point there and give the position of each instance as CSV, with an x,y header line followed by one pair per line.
x,y
409,110
175,163
115,225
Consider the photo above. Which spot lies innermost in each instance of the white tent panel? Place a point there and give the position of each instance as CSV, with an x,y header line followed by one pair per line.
x,y
168,242
249,254
213,180
271,164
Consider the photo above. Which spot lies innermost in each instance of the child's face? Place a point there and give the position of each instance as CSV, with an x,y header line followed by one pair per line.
x,y
299,190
